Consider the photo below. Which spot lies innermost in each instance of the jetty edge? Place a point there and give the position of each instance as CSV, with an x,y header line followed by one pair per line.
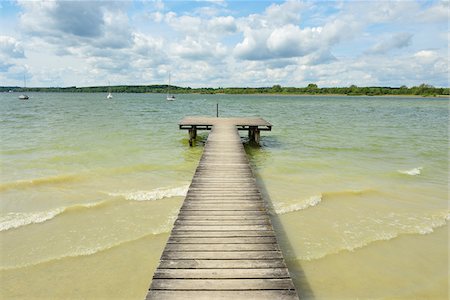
x,y
223,245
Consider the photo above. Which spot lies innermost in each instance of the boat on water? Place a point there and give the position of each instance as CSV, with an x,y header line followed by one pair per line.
x,y
24,96
169,97
110,96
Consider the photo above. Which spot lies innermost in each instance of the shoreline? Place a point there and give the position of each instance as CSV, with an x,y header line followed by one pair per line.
x,y
250,94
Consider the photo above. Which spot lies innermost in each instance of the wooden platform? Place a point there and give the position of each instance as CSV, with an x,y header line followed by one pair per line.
x,y
206,123
253,125
223,245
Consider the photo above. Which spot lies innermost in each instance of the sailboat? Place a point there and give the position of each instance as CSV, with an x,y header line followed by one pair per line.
x,y
109,91
24,96
168,96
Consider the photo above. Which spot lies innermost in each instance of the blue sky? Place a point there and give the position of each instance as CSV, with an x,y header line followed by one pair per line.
x,y
224,43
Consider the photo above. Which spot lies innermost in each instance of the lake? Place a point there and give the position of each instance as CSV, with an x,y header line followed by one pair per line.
x,y
357,189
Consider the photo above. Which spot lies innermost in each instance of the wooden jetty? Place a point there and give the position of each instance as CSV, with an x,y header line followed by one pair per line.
x,y
253,125
222,245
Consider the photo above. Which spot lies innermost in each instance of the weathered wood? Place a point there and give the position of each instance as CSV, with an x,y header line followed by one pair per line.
x,y
222,255
222,240
220,295
221,273
223,245
222,264
229,233
223,284
221,222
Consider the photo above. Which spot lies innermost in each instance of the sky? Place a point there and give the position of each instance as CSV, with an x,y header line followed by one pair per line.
x,y
219,43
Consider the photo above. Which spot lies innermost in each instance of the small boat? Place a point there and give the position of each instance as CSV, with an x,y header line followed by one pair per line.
x,y
168,96
24,96
109,92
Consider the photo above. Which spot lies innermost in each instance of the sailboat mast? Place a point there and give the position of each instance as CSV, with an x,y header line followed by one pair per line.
x,y
168,87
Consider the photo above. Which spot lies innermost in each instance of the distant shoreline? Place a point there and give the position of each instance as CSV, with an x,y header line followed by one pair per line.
x,y
422,90
253,94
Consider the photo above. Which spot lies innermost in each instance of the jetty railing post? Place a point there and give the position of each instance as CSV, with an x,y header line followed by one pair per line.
x,y
192,135
253,134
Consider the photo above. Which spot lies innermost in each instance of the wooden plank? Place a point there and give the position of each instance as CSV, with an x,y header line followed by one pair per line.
x,y
223,218
222,228
222,240
221,295
258,255
222,213
222,222
221,273
222,284
221,247
222,264
228,233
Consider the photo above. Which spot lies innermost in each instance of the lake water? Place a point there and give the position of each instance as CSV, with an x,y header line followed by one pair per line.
x,y
358,190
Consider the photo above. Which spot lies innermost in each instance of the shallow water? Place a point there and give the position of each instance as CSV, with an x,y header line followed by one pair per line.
x,y
90,188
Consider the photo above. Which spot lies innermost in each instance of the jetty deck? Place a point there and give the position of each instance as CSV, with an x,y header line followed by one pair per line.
x,y
223,245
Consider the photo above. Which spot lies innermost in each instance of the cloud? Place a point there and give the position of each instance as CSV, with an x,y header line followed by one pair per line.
x,y
223,43
291,41
222,25
10,48
438,12
195,49
397,41
97,23
285,13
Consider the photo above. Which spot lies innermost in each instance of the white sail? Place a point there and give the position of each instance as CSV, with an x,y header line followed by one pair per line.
x,y
169,97
24,96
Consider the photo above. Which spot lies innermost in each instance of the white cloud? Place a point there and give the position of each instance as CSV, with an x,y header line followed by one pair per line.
x,y
214,44
438,12
397,41
426,55
194,49
10,48
277,34
285,13
222,25
291,41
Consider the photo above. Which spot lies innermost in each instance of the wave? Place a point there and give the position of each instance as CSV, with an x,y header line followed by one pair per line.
x,y
80,251
280,209
427,227
412,172
156,194
38,182
14,220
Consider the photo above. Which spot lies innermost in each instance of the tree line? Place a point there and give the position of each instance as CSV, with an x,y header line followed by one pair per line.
x,y
311,89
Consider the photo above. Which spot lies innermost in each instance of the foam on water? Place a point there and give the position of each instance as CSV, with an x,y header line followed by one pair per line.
x,y
156,194
18,219
14,220
351,241
281,208
412,172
